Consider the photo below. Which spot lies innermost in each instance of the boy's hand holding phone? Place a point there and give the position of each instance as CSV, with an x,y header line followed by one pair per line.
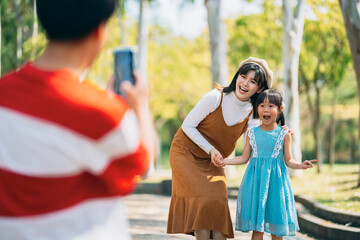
x,y
136,95
124,65
127,82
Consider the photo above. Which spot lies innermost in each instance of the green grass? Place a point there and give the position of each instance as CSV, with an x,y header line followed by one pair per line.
x,y
334,188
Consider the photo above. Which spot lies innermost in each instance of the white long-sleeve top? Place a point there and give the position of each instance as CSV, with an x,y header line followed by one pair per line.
x,y
234,111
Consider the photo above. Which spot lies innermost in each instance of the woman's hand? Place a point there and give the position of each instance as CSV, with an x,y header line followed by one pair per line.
x,y
286,127
216,158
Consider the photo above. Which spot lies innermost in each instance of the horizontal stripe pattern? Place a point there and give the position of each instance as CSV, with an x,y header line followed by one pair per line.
x,y
68,152
59,98
23,195
63,152
100,219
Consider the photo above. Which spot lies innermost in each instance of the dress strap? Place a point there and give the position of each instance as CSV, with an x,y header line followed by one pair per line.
x,y
279,143
220,89
252,110
252,142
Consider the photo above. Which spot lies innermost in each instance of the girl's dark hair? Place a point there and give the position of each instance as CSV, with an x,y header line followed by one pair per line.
x,y
274,97
259,78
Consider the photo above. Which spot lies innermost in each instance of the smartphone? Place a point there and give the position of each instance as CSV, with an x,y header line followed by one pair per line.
x,y
124,65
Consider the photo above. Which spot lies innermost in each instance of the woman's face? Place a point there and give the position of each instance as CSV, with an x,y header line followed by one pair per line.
x,y
246,86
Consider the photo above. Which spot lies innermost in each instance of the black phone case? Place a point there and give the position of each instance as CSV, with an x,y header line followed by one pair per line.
x,y
124,68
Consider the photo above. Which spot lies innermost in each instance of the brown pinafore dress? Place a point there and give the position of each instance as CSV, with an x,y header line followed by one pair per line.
x,y
199,192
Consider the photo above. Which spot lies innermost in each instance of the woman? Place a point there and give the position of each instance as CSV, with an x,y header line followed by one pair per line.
x,y
209,133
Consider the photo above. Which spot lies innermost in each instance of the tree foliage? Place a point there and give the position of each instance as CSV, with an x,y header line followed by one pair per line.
x,y
11,11
178,77
324,64
257,35
325,45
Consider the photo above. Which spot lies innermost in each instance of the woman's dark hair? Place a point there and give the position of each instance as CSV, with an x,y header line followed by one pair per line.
x,y
274,97
259,78
65,20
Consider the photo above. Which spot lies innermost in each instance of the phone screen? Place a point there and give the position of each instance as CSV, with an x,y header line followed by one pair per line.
x,y
124,67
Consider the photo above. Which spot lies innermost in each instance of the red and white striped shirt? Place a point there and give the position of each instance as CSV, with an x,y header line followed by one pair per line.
x,y
68,152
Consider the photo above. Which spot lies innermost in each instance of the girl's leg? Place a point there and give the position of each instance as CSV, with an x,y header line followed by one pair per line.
x,y
202,234
218,235
257,235
274,237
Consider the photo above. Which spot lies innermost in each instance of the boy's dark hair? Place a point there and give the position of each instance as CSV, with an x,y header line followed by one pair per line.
x,y
274,97
72,19
259,78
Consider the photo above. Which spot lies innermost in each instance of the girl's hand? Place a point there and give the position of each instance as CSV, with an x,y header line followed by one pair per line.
x,y
286,127
216,158
307,164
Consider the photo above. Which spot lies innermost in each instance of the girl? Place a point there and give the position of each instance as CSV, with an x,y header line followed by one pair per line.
x,y
265,200
199,203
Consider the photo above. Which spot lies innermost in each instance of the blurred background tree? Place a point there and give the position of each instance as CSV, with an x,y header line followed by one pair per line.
x,y
324,61
351,14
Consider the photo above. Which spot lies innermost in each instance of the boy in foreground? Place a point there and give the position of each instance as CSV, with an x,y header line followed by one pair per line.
x,y
68,151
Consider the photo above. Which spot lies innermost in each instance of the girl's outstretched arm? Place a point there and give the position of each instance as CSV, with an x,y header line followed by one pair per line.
x,y
244,158
289,161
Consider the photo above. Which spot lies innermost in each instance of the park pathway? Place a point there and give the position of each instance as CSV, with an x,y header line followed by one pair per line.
x,y
148,215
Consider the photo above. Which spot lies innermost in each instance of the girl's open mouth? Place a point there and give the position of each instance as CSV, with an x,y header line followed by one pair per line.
x,y
266,117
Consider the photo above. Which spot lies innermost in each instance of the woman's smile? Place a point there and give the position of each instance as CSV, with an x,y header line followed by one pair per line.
x,y
246,86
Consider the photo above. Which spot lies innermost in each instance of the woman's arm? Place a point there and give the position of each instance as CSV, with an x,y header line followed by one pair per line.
x,y
244,158
289,161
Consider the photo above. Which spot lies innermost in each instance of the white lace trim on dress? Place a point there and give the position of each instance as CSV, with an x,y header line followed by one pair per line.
x,y
279,143
253,142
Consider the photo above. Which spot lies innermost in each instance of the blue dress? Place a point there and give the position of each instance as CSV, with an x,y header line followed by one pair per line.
x,y
265,201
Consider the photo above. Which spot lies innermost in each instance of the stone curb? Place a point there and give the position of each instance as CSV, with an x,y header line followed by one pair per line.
x,y
324,229
163,188
332,214
233,192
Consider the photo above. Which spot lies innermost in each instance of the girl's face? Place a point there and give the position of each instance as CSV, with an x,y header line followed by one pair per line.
x,y
246,86
268,112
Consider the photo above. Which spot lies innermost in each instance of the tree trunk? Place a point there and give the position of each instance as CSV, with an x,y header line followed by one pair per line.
x,y
351,14
219,68
20,23
314,108
293,26
332,129
35,31
121,19
120,14
143,37
316,130
143,32
353,149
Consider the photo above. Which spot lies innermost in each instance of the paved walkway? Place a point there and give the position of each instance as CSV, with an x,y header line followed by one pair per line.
x,y
148,216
